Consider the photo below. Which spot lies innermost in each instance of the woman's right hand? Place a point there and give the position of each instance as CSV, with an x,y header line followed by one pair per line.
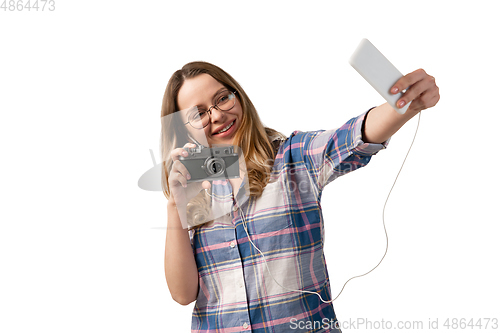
x,y
181,191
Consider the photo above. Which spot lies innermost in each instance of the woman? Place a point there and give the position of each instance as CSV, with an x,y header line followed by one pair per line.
x,y
260,267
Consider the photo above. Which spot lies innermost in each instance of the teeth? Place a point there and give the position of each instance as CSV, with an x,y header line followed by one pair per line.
x,y
225,128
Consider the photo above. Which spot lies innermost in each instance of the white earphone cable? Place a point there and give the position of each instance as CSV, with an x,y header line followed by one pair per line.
x,y
383,222
383,214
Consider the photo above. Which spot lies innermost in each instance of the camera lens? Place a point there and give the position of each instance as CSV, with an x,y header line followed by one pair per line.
x,y
214,166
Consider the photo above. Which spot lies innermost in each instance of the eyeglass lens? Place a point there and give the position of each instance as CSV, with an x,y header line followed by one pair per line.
x,y
224,102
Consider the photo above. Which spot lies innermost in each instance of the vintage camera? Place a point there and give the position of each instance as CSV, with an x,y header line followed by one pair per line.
x,y
216,162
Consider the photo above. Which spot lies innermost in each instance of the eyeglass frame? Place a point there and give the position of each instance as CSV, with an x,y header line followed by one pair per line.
x,y
209,111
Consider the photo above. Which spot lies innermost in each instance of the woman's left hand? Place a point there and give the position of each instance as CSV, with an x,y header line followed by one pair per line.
x,y
421,91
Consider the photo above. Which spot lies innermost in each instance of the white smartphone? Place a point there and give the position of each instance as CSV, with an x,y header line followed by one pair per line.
x,y
378,71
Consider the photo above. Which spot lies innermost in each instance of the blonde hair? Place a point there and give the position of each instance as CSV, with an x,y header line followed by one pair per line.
x,y
252,137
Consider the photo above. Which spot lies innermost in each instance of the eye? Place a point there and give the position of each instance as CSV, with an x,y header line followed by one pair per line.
x,y
197,115
225,97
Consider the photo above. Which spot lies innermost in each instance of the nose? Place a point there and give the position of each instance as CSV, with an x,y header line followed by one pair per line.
x,y
216,115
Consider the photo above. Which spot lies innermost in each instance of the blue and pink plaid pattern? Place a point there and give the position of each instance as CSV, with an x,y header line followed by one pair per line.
x,y
236,291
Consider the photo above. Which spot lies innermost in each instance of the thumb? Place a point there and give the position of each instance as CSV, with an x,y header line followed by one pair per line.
x,y
206,184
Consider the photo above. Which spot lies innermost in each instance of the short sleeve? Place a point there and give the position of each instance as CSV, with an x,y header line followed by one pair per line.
x,y
333,153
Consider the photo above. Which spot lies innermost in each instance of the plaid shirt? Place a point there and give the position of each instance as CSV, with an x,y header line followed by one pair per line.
x,y
236,292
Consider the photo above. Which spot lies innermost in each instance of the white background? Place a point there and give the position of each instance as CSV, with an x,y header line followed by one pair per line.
x,y
81,246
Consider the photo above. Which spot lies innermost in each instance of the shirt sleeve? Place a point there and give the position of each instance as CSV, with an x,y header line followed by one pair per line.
x,y
333,153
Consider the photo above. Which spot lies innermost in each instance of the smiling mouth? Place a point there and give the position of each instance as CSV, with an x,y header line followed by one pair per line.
x,y
225,129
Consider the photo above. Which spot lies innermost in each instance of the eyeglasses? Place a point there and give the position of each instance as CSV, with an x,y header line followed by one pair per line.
x,y
199,117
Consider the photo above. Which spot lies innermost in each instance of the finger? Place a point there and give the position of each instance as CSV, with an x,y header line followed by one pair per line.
x,y
174,155
176,178
427,84
429,98
407,80
179,167
413,93
437,97
206,184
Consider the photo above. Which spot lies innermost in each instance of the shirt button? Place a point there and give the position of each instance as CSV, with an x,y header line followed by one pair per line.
x,y
232,244
245,325
235,208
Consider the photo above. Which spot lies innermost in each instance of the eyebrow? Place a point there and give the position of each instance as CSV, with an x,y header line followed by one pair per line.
x,y
215,94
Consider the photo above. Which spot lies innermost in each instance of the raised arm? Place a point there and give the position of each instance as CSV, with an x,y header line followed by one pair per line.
x,y
383,121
